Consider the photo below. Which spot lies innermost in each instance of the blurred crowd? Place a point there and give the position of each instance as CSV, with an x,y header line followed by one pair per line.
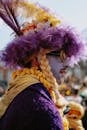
x,y
3,86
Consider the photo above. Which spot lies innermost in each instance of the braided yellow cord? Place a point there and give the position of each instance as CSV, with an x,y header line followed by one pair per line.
x,y
37,74
40,76
44,65
65,123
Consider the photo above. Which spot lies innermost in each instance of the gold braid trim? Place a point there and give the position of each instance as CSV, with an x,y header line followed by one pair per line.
x,y
47,71
39,75
36,73
16,86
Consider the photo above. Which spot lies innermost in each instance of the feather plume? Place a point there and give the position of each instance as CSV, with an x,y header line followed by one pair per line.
x,y
53,38
8,15
11,10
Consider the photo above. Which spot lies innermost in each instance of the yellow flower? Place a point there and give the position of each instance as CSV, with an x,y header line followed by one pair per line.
x,y
37,13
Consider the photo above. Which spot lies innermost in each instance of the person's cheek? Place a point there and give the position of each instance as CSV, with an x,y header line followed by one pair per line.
x,y
56,65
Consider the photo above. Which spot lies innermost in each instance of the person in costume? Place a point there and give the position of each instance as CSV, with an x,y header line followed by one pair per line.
x,y
41,49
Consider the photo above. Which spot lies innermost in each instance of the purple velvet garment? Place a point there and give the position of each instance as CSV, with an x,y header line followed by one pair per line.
x,y
32,109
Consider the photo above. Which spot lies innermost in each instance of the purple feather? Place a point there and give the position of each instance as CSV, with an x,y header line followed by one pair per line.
x,y
8,15
51,38
22,48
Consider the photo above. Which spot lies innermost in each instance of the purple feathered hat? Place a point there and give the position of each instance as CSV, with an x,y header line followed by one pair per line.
x,y
43,35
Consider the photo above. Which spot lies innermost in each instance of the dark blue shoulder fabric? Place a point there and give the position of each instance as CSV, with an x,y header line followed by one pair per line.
x,y
32,109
